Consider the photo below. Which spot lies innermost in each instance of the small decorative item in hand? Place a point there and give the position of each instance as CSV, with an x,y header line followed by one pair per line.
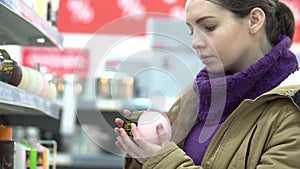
x,y
147,122
132,118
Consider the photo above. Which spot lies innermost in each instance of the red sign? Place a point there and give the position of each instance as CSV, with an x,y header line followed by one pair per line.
x,y
295,6
126,16
58,62
113,16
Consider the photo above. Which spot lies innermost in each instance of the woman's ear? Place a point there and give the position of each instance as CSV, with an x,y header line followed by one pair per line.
x,y
257,19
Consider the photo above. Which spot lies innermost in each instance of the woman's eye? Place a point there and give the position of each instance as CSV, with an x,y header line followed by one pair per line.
x,y
210,28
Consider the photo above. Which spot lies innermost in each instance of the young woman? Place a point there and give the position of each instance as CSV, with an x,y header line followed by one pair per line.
x,y
243,109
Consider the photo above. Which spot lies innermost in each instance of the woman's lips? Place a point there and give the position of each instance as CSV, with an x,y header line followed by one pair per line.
x,y
205,59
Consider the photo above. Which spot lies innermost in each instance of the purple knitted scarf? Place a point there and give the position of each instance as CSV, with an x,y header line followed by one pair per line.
x,y
218,97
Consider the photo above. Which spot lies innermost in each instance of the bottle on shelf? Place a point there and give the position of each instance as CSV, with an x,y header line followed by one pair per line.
x,y
33,139
20,156
7,147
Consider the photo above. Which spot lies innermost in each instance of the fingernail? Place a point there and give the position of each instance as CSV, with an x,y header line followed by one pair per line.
x,y
123,133
132,125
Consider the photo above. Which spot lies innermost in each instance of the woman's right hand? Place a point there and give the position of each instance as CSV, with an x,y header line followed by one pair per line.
x,y
138,147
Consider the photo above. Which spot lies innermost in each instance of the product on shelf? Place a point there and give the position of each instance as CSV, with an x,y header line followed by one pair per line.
x,y
32,85
45,88
28,147
10,71
7,154
39,83
5,133
30,30
46,158
42,156
33,137
20,156
52,92
31,162
6,148
25,79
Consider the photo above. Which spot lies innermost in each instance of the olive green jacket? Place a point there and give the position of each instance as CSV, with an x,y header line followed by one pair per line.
x,y
261,133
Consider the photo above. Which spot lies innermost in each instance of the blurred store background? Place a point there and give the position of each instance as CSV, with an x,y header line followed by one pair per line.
x,y
93,59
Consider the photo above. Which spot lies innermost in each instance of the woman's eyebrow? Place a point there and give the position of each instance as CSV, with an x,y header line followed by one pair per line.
x,y
199,20
203,18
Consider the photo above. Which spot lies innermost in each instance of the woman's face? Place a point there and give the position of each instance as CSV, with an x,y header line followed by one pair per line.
x,y
222,42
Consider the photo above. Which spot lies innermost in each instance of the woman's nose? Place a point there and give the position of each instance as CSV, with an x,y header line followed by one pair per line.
x,y
198,41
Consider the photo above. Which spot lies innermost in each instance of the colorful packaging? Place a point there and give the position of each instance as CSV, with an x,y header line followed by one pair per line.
x,y
31,161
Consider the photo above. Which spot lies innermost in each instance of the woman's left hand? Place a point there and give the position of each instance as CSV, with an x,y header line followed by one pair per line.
x,y
138,147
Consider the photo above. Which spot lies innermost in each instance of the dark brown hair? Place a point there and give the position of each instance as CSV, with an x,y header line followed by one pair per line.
x,y
183,114
279,17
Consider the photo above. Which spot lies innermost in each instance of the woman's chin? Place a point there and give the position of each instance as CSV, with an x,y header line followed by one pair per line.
x,y
218,70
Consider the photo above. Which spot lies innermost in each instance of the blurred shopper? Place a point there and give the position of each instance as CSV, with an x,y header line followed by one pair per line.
x,y
243,109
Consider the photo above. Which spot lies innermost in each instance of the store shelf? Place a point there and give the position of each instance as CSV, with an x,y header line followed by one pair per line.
x,y
14,101
20,25
90,160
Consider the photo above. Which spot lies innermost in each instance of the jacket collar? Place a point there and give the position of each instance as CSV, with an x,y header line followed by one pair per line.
x,y
290,88
292,79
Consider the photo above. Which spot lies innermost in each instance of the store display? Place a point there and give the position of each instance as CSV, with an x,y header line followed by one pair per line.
x,y
21,88
25,78
38,84
22,155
